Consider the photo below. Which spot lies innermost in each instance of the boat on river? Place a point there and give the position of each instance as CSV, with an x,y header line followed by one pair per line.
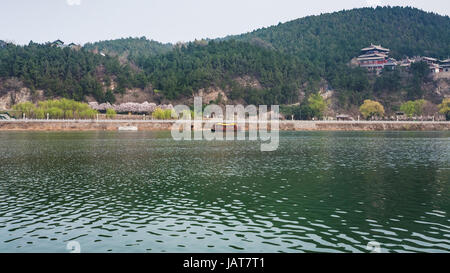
x,y
224,127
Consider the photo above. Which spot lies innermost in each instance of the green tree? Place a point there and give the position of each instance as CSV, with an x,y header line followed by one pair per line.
x,y
420,70
317,104
287,111
68,114
111,113
39,113
444,108
169,114
158,113
413,108
56,113
57,109
109,96
88,114
26,108
371,108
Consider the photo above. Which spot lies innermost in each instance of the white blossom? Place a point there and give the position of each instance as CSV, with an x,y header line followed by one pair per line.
x,y
127,107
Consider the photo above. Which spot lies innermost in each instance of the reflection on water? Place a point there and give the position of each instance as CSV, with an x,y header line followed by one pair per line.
x,y
144,192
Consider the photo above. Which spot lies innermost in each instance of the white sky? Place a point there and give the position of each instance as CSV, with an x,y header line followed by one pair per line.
x,y
83,21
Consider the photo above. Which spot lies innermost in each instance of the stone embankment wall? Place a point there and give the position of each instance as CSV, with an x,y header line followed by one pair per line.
x,y
364,126
147,125
83,125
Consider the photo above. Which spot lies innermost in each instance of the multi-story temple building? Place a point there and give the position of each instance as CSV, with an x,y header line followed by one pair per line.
x,y
375,58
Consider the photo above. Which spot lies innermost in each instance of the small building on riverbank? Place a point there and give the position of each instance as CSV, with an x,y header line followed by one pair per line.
x,y
343,117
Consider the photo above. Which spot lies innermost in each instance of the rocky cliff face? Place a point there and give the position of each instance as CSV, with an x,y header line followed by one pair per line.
x,y
11,97
440,87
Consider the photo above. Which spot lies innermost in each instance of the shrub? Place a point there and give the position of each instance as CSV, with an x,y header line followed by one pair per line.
x,y
158,114
163,114
111,113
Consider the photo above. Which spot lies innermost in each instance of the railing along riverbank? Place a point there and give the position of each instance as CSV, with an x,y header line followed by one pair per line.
x,y
284,125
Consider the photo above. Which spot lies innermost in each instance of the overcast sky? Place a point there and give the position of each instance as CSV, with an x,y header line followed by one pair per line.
x,y
82,21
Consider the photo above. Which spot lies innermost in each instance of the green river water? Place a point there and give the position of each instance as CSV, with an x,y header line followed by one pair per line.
x,y
144,192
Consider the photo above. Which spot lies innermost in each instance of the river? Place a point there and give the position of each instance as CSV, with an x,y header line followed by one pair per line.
x,y
145,192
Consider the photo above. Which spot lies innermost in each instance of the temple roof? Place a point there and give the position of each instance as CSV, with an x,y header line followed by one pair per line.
x,y
375,47
373,55
370,58
430,59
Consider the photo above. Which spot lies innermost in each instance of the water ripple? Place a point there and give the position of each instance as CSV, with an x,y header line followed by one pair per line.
x,y
143,192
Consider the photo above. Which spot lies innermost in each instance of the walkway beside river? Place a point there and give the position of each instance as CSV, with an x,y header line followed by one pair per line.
x,y
155,125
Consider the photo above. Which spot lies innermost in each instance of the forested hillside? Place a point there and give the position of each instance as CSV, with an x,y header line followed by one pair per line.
x,y
65,72
336,37
288,61
132,48
316,48
185,70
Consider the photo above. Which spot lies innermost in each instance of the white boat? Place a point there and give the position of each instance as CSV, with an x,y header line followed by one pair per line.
x,y
128,128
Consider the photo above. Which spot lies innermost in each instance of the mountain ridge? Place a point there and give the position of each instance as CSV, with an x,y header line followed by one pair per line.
x,y
415,22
